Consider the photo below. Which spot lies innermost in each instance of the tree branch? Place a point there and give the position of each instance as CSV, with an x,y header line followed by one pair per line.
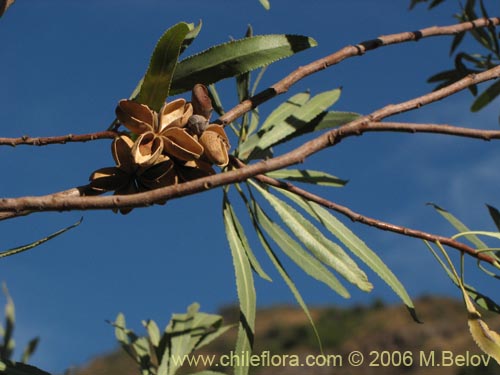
x,y
298,155
61,139
347,52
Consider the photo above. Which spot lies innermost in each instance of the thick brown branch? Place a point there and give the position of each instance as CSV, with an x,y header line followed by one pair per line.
x,y
347,52
61,139
356,127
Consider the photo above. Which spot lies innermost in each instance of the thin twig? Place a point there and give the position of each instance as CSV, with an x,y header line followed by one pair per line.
x,y
60,139
347,52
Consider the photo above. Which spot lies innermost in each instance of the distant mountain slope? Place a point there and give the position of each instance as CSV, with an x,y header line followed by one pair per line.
x,y
381,333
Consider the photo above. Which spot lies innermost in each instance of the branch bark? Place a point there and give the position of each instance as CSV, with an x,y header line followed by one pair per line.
x,y
347,52
60,139
298,155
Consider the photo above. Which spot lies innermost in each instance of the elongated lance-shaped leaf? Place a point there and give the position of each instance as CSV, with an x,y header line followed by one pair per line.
x,y
486,97
20,249
481,299
308,176
236,57
30,349
325,250
487,339
324,121
241,237
308,263
285,110
458,225
190,36
211,329
156,84
246,291
355,245
153,332
276,117
7,348
179,330
299,118
123,335
279,266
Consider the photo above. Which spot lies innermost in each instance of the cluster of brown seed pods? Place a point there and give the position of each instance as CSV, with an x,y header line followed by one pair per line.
x,y
176,144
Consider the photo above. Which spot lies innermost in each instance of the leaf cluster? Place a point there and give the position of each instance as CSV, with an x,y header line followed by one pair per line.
x,y
163,352
7,346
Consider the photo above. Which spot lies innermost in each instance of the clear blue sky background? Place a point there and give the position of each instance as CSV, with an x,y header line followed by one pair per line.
x,y
65,64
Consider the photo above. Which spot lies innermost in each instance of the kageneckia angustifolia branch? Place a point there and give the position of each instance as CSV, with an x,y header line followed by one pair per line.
x,y
298,155
347,52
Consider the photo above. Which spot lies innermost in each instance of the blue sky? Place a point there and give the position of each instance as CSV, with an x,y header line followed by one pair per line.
x,y
67,63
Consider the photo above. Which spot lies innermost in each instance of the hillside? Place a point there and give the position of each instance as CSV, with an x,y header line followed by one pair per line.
x,y
377,331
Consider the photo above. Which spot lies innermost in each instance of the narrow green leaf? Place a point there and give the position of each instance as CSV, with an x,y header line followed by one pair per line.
x,y
285,110
276,117
258,79
246,291
30,349
265,4
325,250
124,335
208,372
486,97
355,244
254,120
279,266
332,119
457,39
241,237
447,75
299,119
309,264
121,329
216,102
495,215
180,330
153,332
212,329
481,299
308,176
236,57
7,348
156,85
458,225
30,246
